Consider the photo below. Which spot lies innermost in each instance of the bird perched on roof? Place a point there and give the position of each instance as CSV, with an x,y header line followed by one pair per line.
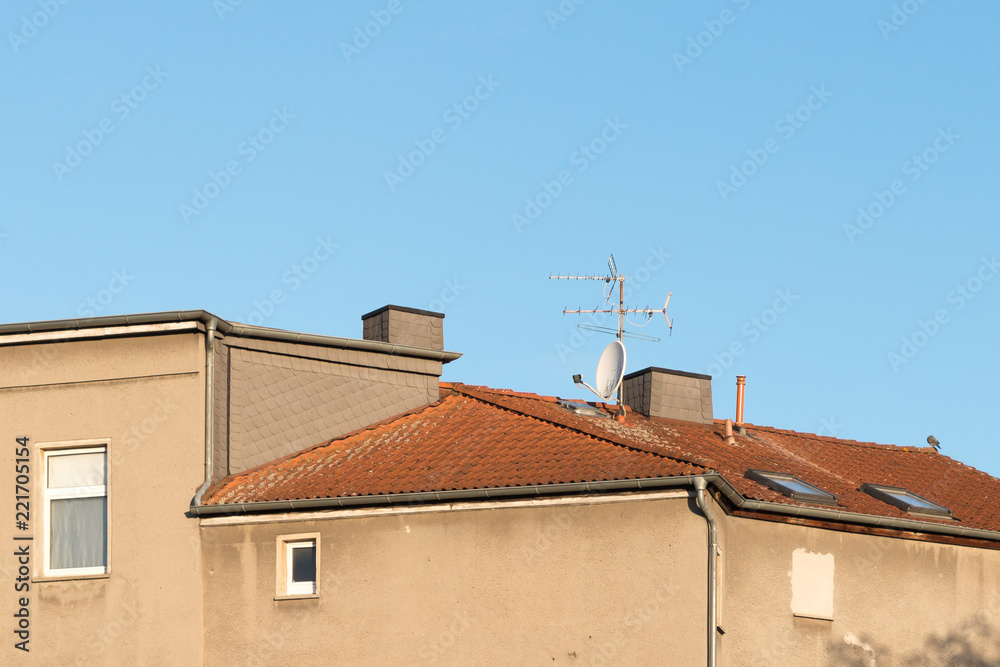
x,y
933,442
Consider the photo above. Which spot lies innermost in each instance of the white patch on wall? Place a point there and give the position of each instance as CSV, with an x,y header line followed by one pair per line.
x,y
812,584
852,639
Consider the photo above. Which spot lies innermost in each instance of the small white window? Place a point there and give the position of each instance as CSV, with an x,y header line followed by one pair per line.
x,y
298,565
75,507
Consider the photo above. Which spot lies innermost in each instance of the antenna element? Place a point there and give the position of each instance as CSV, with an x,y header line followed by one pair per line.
x,y
611,367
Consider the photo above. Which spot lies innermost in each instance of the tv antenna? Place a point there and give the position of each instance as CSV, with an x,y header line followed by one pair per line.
x,y
611,367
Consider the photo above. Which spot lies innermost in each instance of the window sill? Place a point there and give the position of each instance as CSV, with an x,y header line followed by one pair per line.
x,y
310,596
69,577
812,617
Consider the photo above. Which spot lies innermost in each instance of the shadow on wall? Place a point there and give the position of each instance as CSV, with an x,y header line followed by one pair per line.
x,y
975,643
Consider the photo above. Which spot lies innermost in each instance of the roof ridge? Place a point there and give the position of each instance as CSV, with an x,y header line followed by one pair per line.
x,y
840,441
589,432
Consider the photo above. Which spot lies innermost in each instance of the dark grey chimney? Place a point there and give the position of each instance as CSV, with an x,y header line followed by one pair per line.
x,y
405,326
661,392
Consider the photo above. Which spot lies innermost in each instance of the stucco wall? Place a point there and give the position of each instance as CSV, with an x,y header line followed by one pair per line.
x,y
565,585
144,397
895,601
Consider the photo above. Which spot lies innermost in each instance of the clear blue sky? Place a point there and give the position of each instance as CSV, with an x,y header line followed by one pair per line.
x,y
164,156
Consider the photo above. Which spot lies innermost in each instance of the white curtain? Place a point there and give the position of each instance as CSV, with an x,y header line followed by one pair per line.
x,y
79,532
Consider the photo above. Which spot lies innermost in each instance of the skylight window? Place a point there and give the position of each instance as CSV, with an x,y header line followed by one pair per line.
x,y
906,500
792,486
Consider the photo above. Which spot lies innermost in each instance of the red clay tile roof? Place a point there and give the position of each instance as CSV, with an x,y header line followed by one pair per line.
x,y
477,437
459,442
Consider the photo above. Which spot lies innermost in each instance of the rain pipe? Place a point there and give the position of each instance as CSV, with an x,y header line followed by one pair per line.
x,y
703,500
209,407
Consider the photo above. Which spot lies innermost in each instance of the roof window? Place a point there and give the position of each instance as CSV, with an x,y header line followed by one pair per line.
x,y
906,500
584,409
792,486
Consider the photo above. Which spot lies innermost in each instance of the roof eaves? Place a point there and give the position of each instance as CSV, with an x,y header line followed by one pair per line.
x,y
227,328
424,497
105,321
825,515
836,516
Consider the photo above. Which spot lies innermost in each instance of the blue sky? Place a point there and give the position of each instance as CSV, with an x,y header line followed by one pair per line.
x,y
814,183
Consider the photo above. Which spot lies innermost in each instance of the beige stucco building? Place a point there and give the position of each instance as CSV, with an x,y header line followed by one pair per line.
x,y
187,491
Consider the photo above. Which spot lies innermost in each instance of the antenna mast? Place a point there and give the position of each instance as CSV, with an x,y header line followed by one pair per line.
x,y
612,277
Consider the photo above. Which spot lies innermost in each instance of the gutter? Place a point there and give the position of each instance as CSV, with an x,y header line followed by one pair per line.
x,y
700,484
209,409
841,516
403,499
711,478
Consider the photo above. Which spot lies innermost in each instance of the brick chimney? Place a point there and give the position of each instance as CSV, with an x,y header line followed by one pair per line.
x,y
661,392
405,326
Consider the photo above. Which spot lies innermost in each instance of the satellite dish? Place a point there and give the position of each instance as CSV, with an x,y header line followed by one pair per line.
x,y
610,370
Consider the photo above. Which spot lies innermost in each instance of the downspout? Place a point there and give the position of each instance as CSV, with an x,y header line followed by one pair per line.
x,y
713,547
209,407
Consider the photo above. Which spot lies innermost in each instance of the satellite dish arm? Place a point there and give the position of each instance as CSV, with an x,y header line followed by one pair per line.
x,y
581,382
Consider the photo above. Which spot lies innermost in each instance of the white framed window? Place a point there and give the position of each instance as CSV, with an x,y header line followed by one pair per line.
x,y
75,510
298,565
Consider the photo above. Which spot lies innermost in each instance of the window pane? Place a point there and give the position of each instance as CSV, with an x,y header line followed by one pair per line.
x,y
304,563
79,532
913,500
795,485
69,470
